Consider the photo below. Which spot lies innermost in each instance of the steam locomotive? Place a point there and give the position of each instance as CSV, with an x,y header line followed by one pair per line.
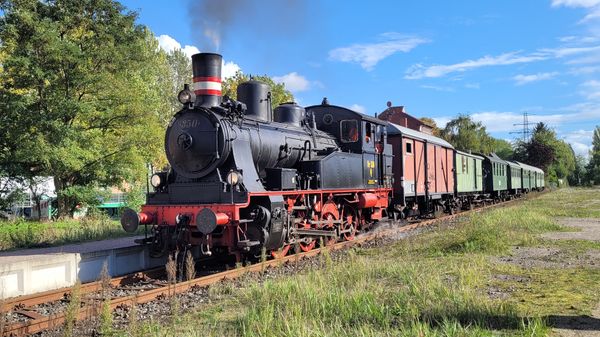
x,y
246,179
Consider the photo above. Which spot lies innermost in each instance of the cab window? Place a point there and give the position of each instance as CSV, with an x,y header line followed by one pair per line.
x,y
349,131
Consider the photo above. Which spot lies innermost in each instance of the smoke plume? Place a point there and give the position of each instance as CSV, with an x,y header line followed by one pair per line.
x,y
214,20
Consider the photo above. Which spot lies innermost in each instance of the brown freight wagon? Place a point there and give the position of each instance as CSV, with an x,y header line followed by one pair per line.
x,y
423,169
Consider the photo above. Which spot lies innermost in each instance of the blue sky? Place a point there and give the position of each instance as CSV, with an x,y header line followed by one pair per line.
x,y
492,60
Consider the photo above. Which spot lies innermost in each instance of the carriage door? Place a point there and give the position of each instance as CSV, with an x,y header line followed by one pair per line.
x,y
370,158
431,167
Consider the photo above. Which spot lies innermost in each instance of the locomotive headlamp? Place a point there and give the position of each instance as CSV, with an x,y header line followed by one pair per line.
x,y
158,179
186,95
234,177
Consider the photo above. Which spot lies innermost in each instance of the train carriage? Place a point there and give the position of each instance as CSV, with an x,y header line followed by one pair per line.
x,y
527,177
468,177
495,176
539,179
515,183
423,171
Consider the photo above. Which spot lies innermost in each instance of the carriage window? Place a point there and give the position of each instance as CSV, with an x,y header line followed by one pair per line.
x,y
349,131
408,148
368,132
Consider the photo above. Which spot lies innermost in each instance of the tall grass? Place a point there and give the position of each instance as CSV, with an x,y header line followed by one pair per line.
x,y
492,232
569,202
31,234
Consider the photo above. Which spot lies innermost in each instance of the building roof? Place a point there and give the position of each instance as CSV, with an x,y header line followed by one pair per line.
x,y
398,116
394,129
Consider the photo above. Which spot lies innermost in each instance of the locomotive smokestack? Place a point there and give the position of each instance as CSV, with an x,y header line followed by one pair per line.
x,y
207,78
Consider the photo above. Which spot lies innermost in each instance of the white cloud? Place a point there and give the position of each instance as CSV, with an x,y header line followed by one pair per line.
x,y
581,141
229,69
591,90
358,108
369,54
168,44
437,88
575,3
585,70
293,81
591,16
524,79
567,51
190,50
500,121
418,71
441,121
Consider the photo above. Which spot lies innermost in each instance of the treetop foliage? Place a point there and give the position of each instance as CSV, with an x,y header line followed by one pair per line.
x,y
279,94
81,99
467,135
593,168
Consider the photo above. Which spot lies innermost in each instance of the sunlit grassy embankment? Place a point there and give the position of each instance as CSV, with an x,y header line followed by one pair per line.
x,y
33,234
441,283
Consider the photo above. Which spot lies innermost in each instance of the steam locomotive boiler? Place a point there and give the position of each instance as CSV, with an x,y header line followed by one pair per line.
x,y
245,178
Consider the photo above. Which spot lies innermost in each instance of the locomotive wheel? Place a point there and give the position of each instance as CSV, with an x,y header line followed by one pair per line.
x,y
350,221
302,246
307,247
330,216
278,254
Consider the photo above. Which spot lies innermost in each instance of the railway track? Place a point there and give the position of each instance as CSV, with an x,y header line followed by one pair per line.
x,y
147,286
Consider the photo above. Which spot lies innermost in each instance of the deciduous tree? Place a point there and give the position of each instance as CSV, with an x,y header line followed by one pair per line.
x,y
593,167
82,95
429,121
467,135
279,94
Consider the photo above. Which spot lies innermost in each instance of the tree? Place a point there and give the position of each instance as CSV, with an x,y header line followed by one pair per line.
x,y
82,95
180,68
540,150
467,135
578,176
279,94
593,167
502,148
546,151
429,121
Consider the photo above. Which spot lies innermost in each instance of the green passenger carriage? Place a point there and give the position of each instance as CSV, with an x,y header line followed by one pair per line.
x,y
469,176
515,182
495,176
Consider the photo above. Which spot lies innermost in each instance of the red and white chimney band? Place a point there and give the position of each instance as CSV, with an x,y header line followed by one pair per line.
x,y
207,86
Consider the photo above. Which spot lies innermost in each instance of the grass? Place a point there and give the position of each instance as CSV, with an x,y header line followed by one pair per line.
x,y
33,234
434,284
569,202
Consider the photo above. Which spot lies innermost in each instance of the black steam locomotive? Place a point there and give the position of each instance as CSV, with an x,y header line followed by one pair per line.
x,y
246,178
